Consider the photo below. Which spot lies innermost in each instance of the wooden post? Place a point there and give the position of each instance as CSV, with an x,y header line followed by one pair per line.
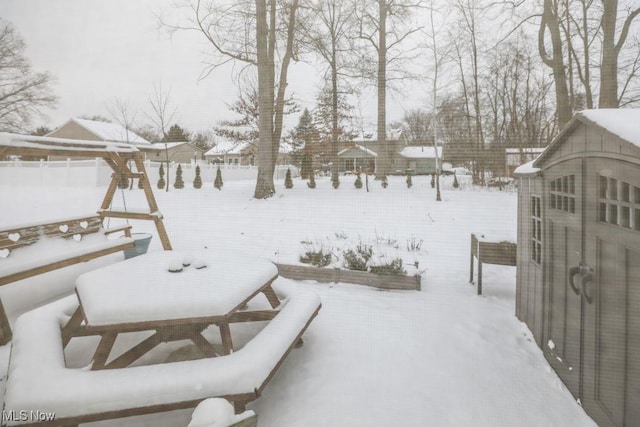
x,y
151,200
5,328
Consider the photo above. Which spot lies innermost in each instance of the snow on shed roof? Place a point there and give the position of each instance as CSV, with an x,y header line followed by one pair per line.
x,y
110,131
526,169
420,152
622,122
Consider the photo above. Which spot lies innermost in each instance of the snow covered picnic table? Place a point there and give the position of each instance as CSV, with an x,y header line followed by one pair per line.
x,y
39,380
177,294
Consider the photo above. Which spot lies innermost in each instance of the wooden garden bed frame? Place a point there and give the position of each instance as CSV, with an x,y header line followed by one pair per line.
x,y
119,157
336,275
490,252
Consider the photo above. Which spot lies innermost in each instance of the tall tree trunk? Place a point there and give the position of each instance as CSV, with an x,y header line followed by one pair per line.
x,y
264,184
611,51
555,61
334,112
384,161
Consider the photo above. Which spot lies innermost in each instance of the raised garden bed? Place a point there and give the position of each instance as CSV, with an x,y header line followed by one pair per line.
x,y
336,275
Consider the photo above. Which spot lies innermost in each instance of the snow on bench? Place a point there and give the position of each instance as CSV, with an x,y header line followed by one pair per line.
x,y
39,380
28,250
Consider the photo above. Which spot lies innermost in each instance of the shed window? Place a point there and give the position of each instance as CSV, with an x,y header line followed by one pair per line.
x,y
619,203
536,231
562,194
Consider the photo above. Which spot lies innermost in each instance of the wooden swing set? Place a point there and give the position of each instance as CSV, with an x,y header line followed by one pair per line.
x,y
119,156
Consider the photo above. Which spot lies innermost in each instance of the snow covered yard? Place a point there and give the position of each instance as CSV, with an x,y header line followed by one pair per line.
x,y
442,356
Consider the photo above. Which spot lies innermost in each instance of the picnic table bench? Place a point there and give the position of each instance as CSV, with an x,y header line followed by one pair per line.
x,y
71,241
39,379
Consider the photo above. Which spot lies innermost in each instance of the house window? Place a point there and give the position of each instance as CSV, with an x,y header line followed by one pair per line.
x,y
618,203
536,231
562,194
349,164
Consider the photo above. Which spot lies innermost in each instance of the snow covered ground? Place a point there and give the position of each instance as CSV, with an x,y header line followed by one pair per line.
x,y
442,356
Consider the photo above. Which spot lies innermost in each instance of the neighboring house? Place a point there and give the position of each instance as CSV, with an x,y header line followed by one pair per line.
x,y
244,153
178,152
92,130
578,278
365,151
232,153
515,157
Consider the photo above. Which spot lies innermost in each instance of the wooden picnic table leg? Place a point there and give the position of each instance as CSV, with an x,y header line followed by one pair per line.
x,y
72,324
103,350
471,266
479,277
205,346
133,354
225,333
271,296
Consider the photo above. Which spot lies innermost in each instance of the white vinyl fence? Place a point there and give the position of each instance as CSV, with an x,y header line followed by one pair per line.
x,y
96,173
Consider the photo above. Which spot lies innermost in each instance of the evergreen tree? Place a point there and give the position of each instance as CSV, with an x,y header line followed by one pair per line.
x,y
288,183
197,182
358,182
335,181
179,182
161,182
176,134
384,182
312,181
218,181
306,167
306,140
455,181
433,181
409,181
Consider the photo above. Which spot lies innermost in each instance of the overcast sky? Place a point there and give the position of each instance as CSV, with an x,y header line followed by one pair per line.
x,y
99,50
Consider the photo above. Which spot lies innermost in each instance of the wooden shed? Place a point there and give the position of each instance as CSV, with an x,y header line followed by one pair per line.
x,y
578,280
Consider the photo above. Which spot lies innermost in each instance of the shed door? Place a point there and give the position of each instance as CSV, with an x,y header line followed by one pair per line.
x,y
563,339
611,377
593,269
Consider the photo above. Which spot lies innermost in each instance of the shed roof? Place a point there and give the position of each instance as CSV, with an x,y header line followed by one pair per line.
x,y
622,122
12,142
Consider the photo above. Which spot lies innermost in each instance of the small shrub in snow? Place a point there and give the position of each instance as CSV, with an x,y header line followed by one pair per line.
x,y
288,182
316,257
455,181
358,182
358,259
217,183
394,267
161,182
335,181
197,181
179,182
409,181
385,182
414,245
312,181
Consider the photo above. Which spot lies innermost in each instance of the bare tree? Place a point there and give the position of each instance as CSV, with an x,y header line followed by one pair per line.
x,y
328,36
253,34
123,114
162,115
23,92
384,25
611,48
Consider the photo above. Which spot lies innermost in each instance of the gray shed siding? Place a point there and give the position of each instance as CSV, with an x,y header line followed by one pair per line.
x,y
582,302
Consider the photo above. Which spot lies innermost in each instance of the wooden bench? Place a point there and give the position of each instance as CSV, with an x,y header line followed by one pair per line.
x,y
39,379
15,266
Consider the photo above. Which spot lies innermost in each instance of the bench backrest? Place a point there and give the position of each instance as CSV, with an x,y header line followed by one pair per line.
x,y
17,237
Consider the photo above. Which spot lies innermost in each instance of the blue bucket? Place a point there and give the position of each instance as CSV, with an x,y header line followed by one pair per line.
x,y
141,241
